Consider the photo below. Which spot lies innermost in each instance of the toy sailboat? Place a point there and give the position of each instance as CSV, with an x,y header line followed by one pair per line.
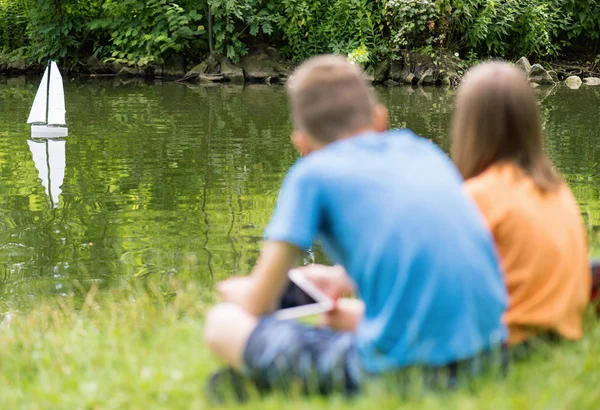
x,y
49,156
47,114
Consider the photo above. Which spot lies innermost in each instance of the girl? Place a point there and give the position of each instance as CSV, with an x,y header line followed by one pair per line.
x,y
532,214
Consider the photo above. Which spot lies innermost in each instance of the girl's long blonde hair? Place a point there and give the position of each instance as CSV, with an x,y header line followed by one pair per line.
x,y
496,120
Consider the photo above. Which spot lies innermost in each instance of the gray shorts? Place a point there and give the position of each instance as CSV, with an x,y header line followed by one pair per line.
x,y
283,354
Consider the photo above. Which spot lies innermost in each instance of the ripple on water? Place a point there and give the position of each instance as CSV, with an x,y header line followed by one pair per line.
x,y
171,180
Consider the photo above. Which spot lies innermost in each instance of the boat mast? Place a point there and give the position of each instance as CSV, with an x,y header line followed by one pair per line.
x,y
49,68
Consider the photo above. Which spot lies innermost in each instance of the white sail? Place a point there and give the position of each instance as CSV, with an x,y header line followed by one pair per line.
x,y
56,97
49,157
38,110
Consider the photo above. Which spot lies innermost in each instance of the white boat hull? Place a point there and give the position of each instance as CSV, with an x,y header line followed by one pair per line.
x,y
48,131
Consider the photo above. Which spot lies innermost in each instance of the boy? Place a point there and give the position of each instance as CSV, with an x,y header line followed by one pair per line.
x,y
390,209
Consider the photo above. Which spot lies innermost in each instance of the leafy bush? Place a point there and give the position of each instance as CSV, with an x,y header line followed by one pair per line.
x,y
143,32
147,31
56,27
585,19
359,56
506,28
235,20
510,28
412,22
13,25
313,27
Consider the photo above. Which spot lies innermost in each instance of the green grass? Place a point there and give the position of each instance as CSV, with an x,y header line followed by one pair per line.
x,y
134,349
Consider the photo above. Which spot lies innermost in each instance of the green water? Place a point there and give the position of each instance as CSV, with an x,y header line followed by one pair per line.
x,y
169,180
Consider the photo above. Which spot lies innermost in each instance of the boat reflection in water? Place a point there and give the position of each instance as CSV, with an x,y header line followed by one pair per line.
x,y
49,156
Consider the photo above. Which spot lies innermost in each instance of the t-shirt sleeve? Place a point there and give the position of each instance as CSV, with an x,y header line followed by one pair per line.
x,y
297,216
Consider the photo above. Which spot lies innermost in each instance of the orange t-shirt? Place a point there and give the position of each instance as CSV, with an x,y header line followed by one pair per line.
x,y
542,244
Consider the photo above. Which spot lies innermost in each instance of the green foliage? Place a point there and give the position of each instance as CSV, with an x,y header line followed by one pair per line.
x,y
236,20
508,28
359,56
143,32
411,22
13,24
313,27
56,27
585,18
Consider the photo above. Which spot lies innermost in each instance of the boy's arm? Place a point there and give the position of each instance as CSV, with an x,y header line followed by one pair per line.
x,y
259,293
293,227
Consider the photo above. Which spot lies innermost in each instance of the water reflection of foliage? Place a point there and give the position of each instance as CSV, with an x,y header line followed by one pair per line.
x,y
169,180
572,126
159,181
426,111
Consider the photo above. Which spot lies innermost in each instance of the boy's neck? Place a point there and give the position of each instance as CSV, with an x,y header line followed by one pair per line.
x,y
359,132
351,135
316,145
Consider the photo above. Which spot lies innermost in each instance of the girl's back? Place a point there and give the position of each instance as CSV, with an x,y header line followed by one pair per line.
x,y
542,246
497,145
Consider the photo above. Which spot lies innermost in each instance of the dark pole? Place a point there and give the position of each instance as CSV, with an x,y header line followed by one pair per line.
x,y
49,68
211,47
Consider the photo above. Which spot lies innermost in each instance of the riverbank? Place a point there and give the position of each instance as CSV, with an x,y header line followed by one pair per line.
x,y
264,64
139,348
170,181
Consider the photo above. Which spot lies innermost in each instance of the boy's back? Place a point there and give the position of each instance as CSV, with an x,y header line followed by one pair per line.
x,y
390,209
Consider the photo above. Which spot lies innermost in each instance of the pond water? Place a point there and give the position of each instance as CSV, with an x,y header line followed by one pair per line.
x,y
168,180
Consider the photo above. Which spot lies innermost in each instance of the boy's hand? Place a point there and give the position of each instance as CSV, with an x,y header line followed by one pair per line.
x,y
346,316
260,292
331,280
235,290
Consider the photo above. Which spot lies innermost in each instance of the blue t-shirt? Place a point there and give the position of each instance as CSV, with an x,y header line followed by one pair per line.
x,y
391,209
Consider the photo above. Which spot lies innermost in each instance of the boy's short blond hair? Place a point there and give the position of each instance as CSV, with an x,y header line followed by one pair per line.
x,y
330,98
